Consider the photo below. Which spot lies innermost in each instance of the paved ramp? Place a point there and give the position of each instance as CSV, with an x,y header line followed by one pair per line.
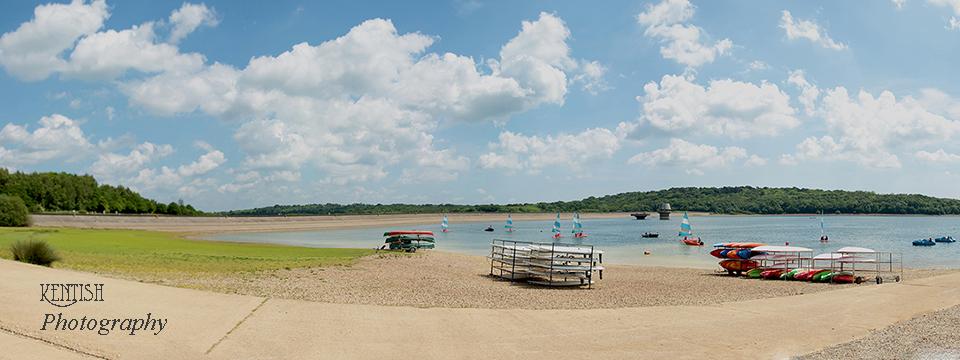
x,y
219,326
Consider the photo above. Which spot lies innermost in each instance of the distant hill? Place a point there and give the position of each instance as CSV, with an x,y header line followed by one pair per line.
x,y
50,191
724,200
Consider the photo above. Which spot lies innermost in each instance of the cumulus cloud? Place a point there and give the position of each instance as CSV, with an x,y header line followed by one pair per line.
x,y
571,151
867,130
726,107
809,93
57,138
110,165
207,162
188,18
369,99
33,51
954,21
686,154
36,49
938,157
808,29
683,43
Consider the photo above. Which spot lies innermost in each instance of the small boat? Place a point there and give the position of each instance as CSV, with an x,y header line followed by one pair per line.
x,y
489,228
650,235
686,231
578,227
556,228
510,224
823,237
946,239
924,242
409,240
444,225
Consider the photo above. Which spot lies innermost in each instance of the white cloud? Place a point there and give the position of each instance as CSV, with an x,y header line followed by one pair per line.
x,y
592,77
570,151
57,138
808,29
366,100
868,130
241,182
207,162
736,109
32,52
684,153
755,161
288,176
480,191
809,93
955,4
758,65
36,49
683,42
937,157
110,165
938,102
428,175
108,54
188,18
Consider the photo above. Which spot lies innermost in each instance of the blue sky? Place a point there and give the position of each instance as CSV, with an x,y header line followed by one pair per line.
x,y
237,104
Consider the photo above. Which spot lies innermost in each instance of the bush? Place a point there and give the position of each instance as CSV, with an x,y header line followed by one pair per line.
x,y
13,212
34,252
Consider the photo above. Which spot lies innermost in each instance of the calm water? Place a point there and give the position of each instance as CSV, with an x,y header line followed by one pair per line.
x,y
621,240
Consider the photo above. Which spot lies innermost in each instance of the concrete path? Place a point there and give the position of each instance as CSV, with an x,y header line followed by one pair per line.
x,y
219,326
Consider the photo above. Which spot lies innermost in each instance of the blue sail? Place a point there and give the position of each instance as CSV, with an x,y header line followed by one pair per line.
x,y
444,225
577,227
685,226
509,223
556,224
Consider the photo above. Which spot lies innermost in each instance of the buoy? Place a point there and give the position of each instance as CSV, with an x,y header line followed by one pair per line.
x,y
646,253
788,243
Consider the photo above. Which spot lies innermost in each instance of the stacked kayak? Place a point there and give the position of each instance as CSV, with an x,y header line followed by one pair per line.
x,y
409,240
736,256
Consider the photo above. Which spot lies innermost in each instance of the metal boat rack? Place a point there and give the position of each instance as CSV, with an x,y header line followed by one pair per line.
x,y
545,263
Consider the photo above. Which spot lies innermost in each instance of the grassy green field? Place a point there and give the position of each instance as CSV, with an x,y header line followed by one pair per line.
x,y
159,252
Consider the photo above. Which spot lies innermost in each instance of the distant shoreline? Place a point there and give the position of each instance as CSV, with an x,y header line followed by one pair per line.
x,y
301,223
290,223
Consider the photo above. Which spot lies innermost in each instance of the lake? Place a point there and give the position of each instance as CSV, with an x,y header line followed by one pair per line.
x,y
621,241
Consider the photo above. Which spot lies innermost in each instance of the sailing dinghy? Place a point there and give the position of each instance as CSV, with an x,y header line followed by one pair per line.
x,y
578,227
686,231
444,226
510,224
556,228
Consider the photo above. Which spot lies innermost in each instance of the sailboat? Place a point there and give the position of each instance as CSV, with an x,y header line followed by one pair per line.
x,y
556,228
444,225
578,227
823,237
510,224
686,231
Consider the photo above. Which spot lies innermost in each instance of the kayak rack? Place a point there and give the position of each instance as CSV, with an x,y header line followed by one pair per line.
x,y
545,263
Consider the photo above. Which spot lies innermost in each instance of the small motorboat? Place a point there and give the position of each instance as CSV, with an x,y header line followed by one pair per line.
x,y
947,239
489,228
650,234
924,242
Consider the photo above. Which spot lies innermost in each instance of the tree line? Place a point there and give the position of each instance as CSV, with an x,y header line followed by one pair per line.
x,y
722,200
53,192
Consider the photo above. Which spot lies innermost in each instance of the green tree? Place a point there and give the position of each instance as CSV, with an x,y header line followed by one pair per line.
x,y
13,211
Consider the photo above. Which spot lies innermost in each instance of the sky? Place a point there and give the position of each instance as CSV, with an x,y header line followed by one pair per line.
x,y
240,104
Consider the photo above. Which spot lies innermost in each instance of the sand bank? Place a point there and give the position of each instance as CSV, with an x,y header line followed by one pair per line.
x,y
280,223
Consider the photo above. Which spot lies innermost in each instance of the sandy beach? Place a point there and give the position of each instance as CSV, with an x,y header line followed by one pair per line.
x,y
434,280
